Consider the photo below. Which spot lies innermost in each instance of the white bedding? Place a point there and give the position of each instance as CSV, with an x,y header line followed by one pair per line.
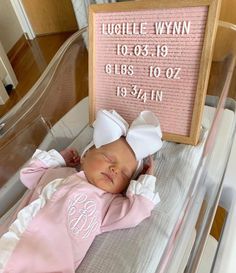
x,y
140,249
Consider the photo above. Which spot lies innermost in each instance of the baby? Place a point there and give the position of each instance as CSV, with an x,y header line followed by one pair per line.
x,y
68,209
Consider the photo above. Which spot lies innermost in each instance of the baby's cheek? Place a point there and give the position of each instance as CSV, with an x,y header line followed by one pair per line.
x,y
97,163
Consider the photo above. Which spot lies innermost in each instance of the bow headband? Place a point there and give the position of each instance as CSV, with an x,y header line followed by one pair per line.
x,y
143,135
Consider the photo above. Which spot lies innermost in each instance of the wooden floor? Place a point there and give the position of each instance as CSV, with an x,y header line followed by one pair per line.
x,y
30,62
34,58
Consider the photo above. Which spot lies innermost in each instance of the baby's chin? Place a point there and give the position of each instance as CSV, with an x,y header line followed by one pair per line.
x,y
101,184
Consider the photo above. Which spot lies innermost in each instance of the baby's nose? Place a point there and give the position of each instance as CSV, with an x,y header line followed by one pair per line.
x,y
114,169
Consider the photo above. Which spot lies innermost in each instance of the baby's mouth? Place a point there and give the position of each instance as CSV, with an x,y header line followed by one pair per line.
x,y
108,177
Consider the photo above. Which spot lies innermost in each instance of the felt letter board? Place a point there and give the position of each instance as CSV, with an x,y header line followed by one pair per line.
x,y
153,55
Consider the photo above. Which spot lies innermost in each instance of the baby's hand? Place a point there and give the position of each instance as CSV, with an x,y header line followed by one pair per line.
x,y
71,157
148,166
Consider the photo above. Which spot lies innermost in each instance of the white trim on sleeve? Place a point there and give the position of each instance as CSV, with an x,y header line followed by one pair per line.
x,y
51,158
11,238
145,186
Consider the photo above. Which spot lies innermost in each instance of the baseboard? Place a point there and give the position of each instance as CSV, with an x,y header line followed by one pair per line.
x,y
18,46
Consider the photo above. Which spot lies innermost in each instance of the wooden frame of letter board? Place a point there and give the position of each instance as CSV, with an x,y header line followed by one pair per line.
x,y
205,59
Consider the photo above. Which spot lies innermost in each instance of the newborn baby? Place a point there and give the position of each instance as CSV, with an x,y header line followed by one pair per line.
x,y
69,208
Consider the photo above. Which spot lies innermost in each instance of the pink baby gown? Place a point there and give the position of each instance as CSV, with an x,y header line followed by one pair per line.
x,y
55,230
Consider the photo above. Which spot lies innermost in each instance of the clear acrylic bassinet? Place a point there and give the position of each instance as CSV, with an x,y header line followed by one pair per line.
x,y
190,179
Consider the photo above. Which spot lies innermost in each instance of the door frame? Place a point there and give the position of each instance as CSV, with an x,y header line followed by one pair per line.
x,y
23,19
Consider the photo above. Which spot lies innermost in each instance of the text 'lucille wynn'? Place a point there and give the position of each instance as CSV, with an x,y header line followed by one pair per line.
x,y
159,28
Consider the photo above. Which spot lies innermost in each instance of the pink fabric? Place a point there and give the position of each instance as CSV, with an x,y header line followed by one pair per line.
x,y
114,90
57,239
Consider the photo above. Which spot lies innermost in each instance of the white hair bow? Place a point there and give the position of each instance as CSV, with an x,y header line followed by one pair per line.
x,y
143,135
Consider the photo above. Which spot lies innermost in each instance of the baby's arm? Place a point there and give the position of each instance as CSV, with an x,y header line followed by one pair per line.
x,y
41,161
126,212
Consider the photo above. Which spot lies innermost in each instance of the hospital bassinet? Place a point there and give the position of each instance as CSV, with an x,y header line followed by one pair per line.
x,y
190,179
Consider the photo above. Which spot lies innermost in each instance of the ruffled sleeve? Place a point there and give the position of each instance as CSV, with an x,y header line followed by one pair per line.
x,y
145,186
51,159
40,162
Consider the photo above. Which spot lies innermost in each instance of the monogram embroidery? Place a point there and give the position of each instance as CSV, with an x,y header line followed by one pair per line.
x,y
82,215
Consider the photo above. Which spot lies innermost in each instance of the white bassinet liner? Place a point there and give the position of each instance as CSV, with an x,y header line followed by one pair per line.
x,y
140,249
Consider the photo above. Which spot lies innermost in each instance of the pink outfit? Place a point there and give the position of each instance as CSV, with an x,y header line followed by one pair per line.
x,y
71,214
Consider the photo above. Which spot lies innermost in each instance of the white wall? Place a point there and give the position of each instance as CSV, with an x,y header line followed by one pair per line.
x,y
10,29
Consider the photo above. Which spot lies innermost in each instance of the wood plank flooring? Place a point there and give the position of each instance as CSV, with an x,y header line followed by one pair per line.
x,y
29,64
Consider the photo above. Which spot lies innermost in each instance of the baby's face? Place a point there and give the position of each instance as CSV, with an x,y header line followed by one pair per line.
x,y
110,167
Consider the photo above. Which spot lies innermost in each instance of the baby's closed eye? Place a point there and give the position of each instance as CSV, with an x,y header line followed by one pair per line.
x,y
107,157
